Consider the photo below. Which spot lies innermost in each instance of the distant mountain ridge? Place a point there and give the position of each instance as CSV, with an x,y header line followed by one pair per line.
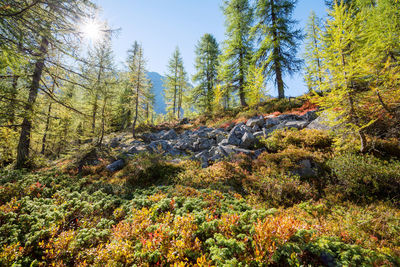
x,y
158,90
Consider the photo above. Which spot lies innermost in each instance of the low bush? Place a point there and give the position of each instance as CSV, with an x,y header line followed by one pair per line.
x,y
310,139
146,169
52,219
365,177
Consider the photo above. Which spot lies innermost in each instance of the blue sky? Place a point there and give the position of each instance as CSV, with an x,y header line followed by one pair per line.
x,y
161,25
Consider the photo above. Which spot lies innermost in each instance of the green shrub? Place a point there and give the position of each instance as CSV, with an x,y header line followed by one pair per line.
x,y
281,105
146,169
280,190
304,250
310,139
366,177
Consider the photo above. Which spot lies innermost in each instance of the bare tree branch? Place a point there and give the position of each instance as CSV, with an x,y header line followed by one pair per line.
x,y
47,92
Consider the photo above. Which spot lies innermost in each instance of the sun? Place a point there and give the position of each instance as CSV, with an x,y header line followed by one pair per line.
x,y
91,30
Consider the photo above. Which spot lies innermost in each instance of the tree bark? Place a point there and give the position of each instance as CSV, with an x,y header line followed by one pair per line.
x,y
137,100
103,122
25,136
46,129
175,86
48,119
95,105
317,58
11,107
241,81
276,54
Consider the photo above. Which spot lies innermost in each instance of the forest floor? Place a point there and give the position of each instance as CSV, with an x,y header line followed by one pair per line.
x,y
239,209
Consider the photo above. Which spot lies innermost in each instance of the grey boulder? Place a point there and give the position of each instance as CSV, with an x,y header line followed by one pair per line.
x,y
116,165
168,135
296,124
248,140
259,121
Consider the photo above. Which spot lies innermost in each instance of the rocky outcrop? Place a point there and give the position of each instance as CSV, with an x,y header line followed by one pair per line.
x,y
208,144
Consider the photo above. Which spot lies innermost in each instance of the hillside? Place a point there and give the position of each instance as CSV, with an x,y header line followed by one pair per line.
x,y
105,163
269,189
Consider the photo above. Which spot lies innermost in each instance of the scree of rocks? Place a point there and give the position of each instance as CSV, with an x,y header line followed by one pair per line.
x,y
208,144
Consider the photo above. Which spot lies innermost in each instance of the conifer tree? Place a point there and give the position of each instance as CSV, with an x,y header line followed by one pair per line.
x,y
138,82
255,87
31,33
207,52
175,84
223,96
149,100
237,50
277,39
313,75
342,99
381,55
182,90
99,71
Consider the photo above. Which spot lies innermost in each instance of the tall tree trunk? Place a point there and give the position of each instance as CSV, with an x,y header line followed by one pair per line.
x,y
180,92
279,81
103,122
26,128
241,81
11,107
63,139
46,129
94,111
276,53
137,102
147,111
175,86
95,105
317,58
48,120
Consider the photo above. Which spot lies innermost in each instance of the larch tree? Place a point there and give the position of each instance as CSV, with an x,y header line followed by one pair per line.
x,y
182,90
207,52
138,82
277,39
99,70
381,56
149,101
313,60
55,28
237,48
255,87
174,84
341,51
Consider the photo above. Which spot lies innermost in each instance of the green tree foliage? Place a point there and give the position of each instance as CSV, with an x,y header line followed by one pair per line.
x,y
207,63
31,31
331,3
277,39
139,84
313,74
175,84
255,87
361,70
101,75
237,50
341,55
381,54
